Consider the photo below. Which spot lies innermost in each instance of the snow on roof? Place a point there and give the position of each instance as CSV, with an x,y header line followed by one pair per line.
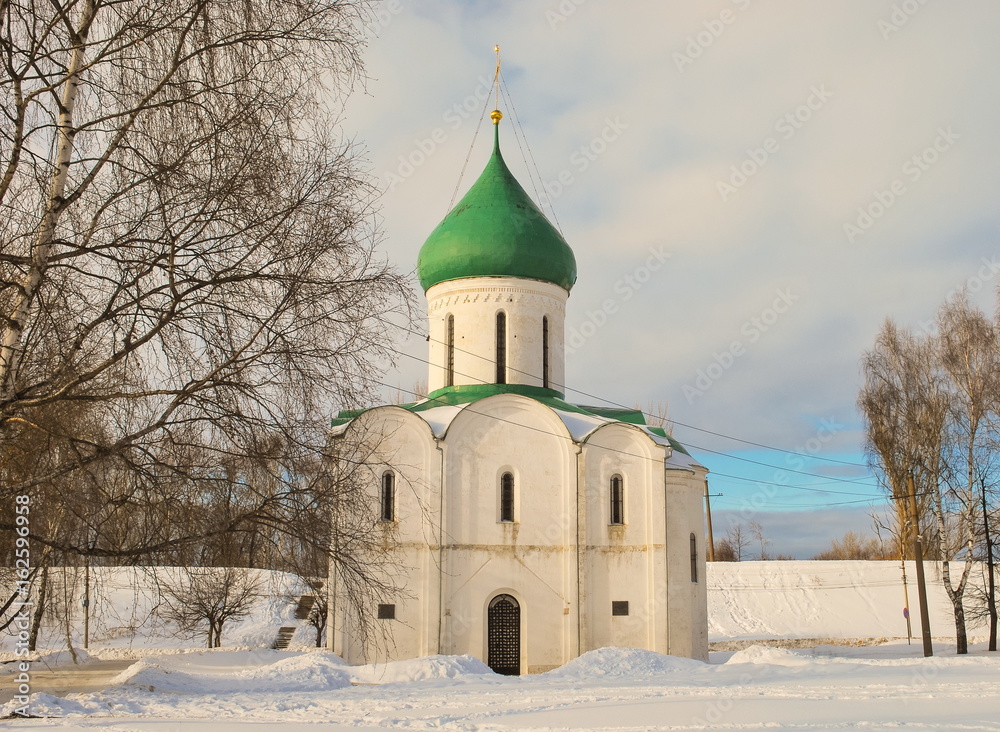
x,y
440,418
682,461
580,421
580,425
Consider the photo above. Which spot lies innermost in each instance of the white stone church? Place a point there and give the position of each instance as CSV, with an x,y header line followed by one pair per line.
x,y
526,529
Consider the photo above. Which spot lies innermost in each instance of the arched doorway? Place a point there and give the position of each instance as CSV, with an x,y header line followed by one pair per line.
x,y
504,635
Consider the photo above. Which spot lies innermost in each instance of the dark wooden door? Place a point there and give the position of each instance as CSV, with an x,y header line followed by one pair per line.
x,y
504,635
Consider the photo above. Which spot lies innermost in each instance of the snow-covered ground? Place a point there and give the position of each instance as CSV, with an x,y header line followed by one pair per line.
x,y
826,687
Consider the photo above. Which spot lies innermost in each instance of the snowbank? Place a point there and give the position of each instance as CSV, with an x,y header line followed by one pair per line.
x,y
63,658
622,662
46,705
420,669
230,673
274,671
765,655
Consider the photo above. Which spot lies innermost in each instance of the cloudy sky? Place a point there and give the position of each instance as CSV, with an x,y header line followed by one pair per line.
x,y
750,187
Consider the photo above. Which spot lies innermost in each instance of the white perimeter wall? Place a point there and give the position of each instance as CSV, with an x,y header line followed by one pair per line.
x,y
810,599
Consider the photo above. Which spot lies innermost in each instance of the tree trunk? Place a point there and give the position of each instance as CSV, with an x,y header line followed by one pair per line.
x,y
319,621
26,292
956,601
961,639
955,594
36,617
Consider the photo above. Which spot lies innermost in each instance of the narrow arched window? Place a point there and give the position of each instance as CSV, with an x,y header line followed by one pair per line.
x,y
545,352
388,496
450,356
617,501
507,497
694,558
501,348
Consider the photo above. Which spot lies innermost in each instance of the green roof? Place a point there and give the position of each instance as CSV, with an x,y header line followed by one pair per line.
x,y
496,230
470,393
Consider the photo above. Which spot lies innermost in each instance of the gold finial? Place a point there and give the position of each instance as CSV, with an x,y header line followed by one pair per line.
x,y
496,115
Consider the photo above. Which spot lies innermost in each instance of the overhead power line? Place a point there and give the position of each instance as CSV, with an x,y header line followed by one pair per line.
x,y
613,403
688,444
470,409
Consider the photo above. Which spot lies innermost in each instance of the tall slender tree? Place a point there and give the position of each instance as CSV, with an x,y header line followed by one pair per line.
x,y
967,353
188,273
904,411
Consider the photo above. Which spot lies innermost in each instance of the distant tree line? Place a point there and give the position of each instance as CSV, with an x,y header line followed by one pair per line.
x,y
746,542
855,546
743,543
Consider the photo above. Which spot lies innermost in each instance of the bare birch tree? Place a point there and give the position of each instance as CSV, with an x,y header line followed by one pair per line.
x,y
926,403
968,355
757,532
739,539
188,279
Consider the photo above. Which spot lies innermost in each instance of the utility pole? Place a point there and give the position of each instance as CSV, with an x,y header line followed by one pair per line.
x,y
708,513
918,556
906,606
901,517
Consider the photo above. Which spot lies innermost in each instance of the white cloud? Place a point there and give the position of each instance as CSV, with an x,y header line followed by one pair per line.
x,y
656,184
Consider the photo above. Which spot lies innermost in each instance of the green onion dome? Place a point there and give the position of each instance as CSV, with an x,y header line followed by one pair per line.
x,y
496,230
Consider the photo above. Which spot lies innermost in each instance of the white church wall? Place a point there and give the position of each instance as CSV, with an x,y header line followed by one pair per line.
x,y
622,563
475,302
687,595
565,592
391,439
532,557
535,578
